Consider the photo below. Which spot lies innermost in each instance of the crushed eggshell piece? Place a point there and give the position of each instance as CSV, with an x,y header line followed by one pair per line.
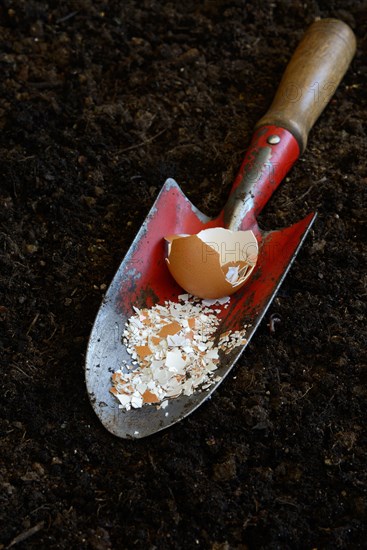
x,y
143,351
233,274
169,329
180,360
191,323
149,397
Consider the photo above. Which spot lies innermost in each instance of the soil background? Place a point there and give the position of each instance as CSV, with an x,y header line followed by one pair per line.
x,y
101,101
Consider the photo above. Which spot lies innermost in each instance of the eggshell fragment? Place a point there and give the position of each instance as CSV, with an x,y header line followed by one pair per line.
x,y
180,363
214,263
149,397
169,329
143,351
191,323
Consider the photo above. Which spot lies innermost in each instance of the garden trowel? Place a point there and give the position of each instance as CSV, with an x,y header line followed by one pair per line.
x,y
143,279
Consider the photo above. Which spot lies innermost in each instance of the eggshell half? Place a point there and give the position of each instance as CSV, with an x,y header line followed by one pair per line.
x,y
199,263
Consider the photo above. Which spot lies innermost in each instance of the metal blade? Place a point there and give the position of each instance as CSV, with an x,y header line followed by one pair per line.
x,y
143,280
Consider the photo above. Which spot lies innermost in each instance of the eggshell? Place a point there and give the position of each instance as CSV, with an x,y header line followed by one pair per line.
x,y
169,329
149,397
143,351
199,263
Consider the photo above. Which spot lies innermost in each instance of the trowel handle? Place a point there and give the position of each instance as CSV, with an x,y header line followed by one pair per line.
x,y
311,78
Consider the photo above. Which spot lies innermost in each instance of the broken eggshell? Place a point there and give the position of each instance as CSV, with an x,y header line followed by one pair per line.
x,y
214,263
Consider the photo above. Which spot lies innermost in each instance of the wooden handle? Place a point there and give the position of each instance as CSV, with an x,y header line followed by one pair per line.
x,y
311,78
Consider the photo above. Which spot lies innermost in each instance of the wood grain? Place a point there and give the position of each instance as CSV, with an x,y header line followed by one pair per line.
x,y
311,78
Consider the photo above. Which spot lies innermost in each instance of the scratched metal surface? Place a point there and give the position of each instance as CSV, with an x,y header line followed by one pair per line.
x,y
143,280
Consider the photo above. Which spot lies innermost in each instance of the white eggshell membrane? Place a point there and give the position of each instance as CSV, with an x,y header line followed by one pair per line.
x,y
214,263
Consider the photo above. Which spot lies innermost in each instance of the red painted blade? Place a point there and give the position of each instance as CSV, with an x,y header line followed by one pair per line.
x,y
143,279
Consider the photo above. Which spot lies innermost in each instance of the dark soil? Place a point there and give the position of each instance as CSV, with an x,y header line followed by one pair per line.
x,y
100,101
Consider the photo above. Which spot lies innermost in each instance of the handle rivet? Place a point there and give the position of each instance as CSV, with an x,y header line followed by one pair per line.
x,y
273,140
